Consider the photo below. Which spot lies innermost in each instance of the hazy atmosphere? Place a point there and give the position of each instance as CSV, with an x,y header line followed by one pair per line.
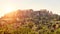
x,y
29,16
52,5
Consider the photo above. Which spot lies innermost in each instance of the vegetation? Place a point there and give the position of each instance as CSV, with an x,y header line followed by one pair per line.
x,y
30,22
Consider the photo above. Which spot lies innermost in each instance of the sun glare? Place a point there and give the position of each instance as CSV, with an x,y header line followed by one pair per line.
x,y
7,9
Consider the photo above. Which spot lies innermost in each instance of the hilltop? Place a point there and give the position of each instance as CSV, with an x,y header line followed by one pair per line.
x,y
37,21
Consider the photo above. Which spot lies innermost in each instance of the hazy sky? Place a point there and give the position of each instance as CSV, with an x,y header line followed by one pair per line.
x,y
53,5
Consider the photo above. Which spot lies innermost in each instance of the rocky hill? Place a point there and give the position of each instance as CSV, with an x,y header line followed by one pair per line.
x,y
36,21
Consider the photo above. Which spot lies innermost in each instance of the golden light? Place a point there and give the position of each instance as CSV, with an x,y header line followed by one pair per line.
x,y
7,9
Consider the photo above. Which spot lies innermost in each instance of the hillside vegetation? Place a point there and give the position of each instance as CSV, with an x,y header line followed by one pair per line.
x,y
30,22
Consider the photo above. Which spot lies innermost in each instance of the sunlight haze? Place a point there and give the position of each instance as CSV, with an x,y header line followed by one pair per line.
x,y
10,5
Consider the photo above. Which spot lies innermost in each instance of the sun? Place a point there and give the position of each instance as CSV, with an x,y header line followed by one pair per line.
x,y
7,9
